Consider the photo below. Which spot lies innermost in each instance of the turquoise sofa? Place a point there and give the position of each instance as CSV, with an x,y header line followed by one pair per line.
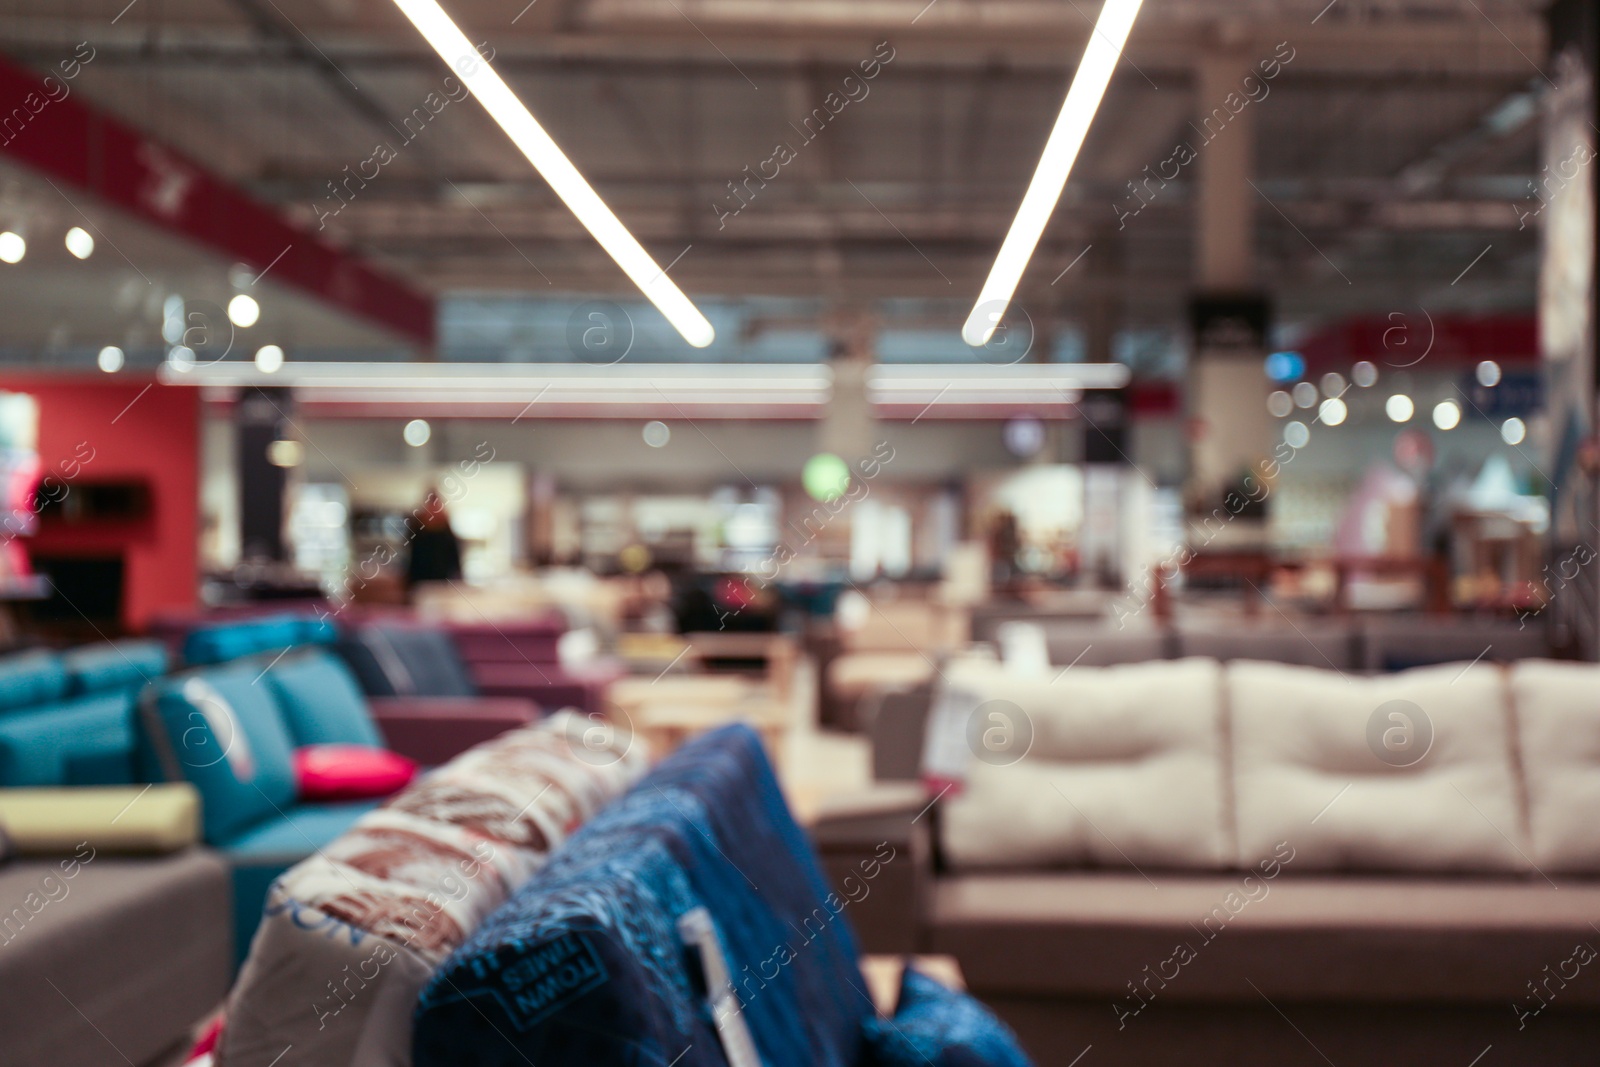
x,y
67,719
230,727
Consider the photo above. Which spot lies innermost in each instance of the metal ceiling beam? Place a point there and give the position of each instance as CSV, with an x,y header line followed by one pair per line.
x,y
1029,33
75,146
544,16
186,53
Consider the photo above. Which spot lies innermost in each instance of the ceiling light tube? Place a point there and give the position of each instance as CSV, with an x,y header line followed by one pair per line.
x,y
1060,152
547,158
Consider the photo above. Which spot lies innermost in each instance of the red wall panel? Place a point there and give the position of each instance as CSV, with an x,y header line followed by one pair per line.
x,y
137,431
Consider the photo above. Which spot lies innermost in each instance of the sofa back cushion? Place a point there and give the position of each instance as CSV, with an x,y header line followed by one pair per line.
x,y
535,640
587,963
1557,707
221,730
1124,766
406,661
113,665
1400,642
87,741
1326,646
1410,771
221,642
320,701
1088,645
29,679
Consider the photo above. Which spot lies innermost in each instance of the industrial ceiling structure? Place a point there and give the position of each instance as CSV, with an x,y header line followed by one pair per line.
x,y
868,153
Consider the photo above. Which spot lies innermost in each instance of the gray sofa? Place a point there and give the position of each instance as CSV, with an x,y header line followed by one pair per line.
x,y
113,963
1227,864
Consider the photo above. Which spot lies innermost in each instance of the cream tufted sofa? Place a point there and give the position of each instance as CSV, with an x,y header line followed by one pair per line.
x,y
1245,863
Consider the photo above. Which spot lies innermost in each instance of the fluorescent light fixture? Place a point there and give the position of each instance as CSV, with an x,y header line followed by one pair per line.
x,y
1060,152
547,158
930,389
650,391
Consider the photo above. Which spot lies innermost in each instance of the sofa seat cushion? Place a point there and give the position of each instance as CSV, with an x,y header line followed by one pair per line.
x,y
87,741
941,1027
1297,936
320,701
261,853
1558,723
140,947
1410,771
1104,766
222,731
299,831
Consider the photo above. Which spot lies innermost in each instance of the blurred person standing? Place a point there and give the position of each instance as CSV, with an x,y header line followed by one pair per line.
x,y
435,550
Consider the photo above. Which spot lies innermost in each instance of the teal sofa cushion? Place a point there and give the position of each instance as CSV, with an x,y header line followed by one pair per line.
x,y
296,834
227,641
320,701
88,741
114,665
30,679
221,730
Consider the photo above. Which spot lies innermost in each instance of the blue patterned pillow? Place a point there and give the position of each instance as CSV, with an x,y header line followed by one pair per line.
x,y
938,1027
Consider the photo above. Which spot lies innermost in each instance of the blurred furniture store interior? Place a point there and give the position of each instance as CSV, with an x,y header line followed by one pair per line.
x,y
799,533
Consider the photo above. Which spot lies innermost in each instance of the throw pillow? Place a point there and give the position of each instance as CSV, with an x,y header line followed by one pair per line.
x,y
349,772
934,1026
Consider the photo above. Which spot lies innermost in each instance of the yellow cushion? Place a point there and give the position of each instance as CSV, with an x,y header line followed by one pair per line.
x,y
133,818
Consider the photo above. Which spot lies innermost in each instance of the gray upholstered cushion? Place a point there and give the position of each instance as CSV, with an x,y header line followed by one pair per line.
x,y
114,962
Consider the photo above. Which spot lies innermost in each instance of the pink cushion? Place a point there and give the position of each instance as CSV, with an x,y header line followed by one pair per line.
x,y
349,772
